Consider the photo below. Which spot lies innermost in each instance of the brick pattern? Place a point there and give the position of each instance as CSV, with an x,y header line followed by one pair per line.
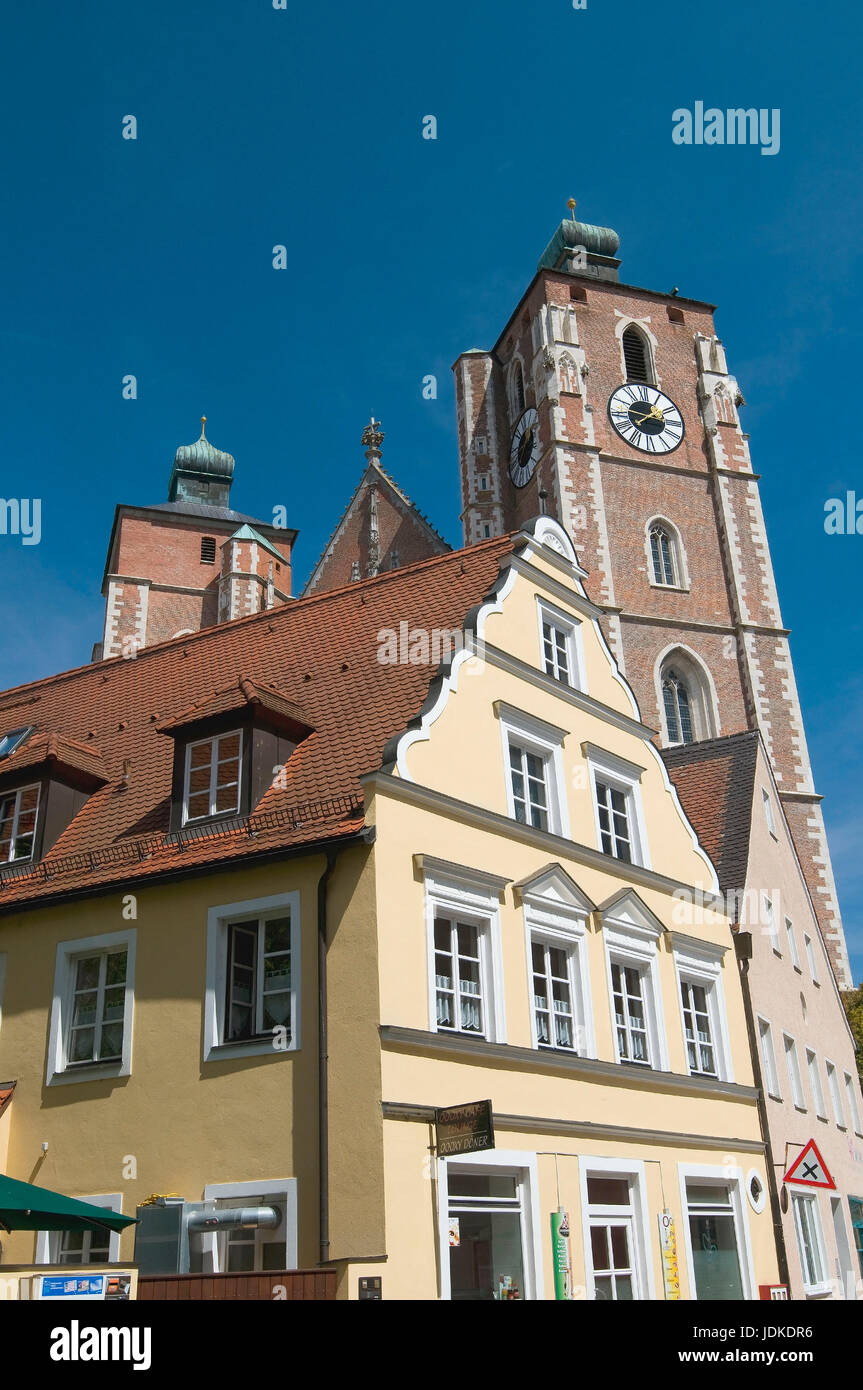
x,y
727,616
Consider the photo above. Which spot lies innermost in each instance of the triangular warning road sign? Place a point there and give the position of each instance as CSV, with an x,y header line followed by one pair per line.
x,y
809,1168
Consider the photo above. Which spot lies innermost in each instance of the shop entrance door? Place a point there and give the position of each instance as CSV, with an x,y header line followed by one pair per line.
x,y
486,1235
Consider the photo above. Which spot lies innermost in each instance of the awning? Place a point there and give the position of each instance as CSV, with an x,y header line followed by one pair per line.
x,y
24,1207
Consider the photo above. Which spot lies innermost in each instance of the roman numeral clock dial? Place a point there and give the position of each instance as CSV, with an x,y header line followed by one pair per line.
x,y
645,418
525,449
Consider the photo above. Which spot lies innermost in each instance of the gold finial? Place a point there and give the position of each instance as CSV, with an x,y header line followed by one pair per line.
x,y
203,423
570,203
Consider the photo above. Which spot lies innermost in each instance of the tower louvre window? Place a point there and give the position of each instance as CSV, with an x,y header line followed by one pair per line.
x,y
635,356
208,550
517,391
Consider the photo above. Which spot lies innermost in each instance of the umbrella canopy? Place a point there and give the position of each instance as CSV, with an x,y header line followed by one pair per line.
x,y
24,1207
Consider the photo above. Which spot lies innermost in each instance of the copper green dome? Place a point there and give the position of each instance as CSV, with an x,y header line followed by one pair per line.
x,y
201,473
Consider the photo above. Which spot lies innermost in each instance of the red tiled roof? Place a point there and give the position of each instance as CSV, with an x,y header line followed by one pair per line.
x,y
7,1091
237,696
320,653
52,747
714,781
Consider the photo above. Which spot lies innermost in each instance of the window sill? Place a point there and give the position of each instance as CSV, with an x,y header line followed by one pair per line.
x,y
89,1071
777,953
670,588
248,1047
798,969
801,1109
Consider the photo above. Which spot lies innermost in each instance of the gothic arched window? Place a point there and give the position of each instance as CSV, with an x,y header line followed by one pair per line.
x,y
678,708
516,390
662,556
636,355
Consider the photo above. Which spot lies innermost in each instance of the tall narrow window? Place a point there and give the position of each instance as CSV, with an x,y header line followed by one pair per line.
x,y
614,829
794,1072
555,650
213,776
259,992
835,1094
714,1240
630,1014
810,1240
768,812
516,386
662,556
553,995
635,356
853,1107
768,1059
815,1083
529,786
613,1251
700,1049
792,943
459,994
678,709
97,1009
810,958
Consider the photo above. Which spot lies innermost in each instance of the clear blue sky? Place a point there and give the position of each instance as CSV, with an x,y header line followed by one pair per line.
x,y
259,126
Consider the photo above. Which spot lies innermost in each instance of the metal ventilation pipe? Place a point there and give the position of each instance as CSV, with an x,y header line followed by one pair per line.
x,y
234,1218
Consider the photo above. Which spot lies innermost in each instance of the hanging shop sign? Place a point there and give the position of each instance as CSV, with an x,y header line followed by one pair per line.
x,y
464,1129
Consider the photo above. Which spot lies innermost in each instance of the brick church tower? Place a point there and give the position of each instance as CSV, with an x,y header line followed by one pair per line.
x,y
189,562
612,408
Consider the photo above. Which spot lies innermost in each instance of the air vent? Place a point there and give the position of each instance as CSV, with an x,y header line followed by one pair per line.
x,y
208,550
635,356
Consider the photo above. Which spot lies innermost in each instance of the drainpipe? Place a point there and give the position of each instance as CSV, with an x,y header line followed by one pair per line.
x,y
323,1099
743,952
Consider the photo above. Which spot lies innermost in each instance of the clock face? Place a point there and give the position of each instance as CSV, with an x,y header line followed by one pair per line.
x,y
645,418
525,449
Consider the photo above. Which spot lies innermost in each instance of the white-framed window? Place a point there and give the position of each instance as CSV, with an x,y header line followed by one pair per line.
x,y
614,1224
702,1003
555,918
716,1232
269,1247
768,812
810,1242
82,1247
619,817
91,1015
815,1084
793,1064
560,645
770,923
465,981
835,1094
489,1230
768,1059
851,1097
633,986
533,758
252,997
213,776
810,957
792,944
18,812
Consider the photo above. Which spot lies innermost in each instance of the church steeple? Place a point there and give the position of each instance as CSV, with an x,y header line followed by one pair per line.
x,y
201,473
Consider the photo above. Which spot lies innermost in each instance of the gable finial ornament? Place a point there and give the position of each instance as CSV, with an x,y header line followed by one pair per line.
x,y
373,438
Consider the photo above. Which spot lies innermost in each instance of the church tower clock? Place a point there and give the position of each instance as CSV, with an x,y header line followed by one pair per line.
x,y
612,407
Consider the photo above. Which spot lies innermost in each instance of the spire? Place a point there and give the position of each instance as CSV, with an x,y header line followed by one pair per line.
x,y
373,438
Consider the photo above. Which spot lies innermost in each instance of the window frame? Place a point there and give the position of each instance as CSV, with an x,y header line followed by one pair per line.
x,y
545,741
853,1105
795,1075
523,1164
570,627
815,1086
793,951
767,1056
633,1170
835,1093
768,812
809,950
632,944
219,919
258,924
213,739
48,1242
808,1201
772,926
17,793
270,1189
700,963
58,1069
624,777
467,899
563,926
730,1176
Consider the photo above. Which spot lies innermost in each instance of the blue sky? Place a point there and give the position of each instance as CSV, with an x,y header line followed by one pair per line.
x,y
302,127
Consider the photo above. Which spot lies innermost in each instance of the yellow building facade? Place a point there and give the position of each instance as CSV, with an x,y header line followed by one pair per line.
x,y
522,919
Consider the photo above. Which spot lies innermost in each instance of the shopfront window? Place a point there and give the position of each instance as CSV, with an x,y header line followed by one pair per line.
x,y
486,1235
715,1243
856,1204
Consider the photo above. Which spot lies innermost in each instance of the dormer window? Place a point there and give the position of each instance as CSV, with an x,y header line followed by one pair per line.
x,y
212,782
15,737
18,812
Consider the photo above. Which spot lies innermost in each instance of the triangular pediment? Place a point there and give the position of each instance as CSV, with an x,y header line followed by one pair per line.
x,y
625,908
553,887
